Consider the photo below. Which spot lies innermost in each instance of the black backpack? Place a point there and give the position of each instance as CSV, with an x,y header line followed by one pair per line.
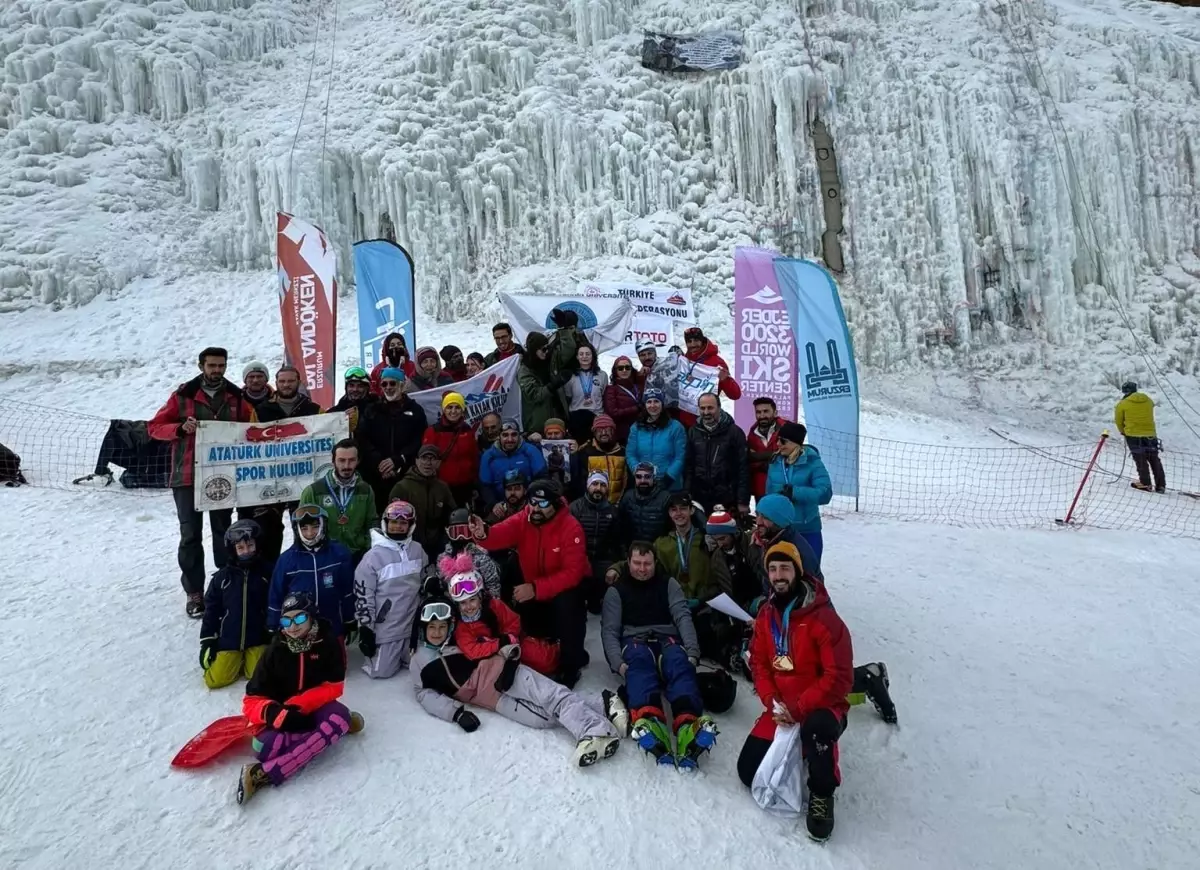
x,y
10,468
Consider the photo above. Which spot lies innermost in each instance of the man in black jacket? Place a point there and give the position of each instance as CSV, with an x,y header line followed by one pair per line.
x,y
389,433
642,512
598,517
357,396
718,472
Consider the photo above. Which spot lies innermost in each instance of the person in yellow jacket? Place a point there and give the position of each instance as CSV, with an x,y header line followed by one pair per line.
x,y
1134,417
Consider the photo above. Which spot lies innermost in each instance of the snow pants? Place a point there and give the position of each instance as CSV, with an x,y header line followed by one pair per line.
x,y
539,702
658,665
229,664
819,735
389,658
1146,458
283,754
191,539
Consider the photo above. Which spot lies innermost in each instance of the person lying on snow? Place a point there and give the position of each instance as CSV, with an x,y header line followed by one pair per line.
x,y
650,642
294,692
318,567
487,626
387,591
801,659
233,633
446,680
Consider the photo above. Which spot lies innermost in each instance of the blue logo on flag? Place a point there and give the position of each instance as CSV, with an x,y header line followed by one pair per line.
x,y
587,317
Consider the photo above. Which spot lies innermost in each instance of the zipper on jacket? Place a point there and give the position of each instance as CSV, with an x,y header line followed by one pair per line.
x,y
245,583
300,688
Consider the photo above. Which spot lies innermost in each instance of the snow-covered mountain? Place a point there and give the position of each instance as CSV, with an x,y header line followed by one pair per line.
x,y
1010,170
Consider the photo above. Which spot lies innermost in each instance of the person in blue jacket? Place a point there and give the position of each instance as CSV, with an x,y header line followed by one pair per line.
x,y
509,452
233,633
321,568
798,474
659,440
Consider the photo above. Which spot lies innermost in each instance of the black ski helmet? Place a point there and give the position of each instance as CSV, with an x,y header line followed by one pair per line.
x,y
718,690
242,530
298,601
1128,388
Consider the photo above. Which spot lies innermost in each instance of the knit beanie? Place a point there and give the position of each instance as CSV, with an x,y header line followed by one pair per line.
x,y
392,374
255,367
551,422
653,393
449,352
721,522
424,353
794,432
777,509
784,552
453,399
603,421
597,477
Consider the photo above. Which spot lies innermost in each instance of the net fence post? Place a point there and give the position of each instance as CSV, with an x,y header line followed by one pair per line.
x,y
1087,473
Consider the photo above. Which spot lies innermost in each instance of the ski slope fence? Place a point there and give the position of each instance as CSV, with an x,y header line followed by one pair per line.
x,y
1011,485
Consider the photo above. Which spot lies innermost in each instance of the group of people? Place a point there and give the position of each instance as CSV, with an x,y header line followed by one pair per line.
x,y
453,549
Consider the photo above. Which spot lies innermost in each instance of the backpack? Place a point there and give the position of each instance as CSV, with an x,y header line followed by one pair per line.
x,y
10,468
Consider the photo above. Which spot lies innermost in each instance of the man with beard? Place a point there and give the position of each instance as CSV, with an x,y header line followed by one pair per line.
x,y
656,374
357,396
502,334
513,502
347,500
430,496
717,472
287,402
390,434
541,386
598,519
206,397
642,512
489,431
553,560
762,443
701,351
395,356
455,365
255,383
429,372
510,452
603,454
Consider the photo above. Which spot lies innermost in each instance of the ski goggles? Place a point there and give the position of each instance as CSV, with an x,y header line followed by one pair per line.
x,y
242,531
400,510
464,588
439,610
357,374
510,426
459,531
541,503
289,621
308,512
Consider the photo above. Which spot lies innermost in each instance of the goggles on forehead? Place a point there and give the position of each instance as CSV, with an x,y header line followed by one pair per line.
x,y
464,588
310,512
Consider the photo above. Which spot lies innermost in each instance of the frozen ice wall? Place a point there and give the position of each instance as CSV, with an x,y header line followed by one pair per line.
x,y
496,135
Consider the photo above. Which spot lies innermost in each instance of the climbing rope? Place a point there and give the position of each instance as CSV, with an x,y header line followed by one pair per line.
x,y
312,62
328,93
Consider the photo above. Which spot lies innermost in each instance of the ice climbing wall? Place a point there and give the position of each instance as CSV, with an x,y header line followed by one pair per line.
x,y
498,135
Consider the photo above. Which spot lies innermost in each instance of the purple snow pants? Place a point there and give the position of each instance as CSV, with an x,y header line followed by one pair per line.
x,y
283,754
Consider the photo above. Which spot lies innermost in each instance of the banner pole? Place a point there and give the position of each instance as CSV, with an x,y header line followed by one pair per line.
x,y
1083,481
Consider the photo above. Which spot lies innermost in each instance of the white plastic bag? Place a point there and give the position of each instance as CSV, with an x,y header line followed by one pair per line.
x,y
779,785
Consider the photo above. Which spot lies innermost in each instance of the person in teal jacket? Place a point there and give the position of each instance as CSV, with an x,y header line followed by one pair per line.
x,y
659,440
798,474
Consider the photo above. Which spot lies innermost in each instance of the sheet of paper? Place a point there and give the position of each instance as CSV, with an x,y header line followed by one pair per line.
x,y
724,604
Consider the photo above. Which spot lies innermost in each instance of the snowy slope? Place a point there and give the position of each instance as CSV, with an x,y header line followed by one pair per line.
x,y
1045,723
156,139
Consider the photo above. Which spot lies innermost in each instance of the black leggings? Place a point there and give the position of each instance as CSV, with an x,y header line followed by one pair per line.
x,y
819,735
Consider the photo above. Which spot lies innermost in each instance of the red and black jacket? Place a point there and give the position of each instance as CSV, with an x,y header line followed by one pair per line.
x,y
459,450
190,400
307,680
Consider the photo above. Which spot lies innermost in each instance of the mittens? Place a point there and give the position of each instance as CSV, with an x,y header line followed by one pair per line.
x,y
466,720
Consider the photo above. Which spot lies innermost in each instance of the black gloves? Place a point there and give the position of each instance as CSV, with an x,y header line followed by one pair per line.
x,y
466,720
507,674
293,720
208,652
366,642
350,631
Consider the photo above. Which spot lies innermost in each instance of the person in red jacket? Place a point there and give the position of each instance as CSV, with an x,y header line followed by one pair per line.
x,y
802,663
552,557
455,439
488,627
206,397
623,397
704,352
762,442
395,356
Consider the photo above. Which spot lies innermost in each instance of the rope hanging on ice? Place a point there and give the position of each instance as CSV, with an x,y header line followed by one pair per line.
x,y
312,62
328,93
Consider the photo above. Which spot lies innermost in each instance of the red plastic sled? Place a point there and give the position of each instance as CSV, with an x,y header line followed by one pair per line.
x,y
214,740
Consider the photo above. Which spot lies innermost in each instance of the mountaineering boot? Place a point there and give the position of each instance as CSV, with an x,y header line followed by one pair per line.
x,y
616,711
1144,487
1160,489
651,735
357,722
872,679
692,739
820,817
589,750
252,779
195,605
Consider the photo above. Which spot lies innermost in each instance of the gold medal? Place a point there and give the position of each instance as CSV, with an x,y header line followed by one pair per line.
x,y
783,663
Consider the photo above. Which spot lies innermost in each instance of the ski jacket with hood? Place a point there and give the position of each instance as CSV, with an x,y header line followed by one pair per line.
x,y
308,680
408,366
358,511
809,485
716,464
445,679
818,644
642,609
760,450
235,605
459,449
709,355
190,400
387,587
390,430
541,389
662,443
1134,416
623,399
552,556
325,573
484,638
495,463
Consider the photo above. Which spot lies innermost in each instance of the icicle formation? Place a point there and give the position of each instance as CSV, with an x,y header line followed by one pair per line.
x,y
501,135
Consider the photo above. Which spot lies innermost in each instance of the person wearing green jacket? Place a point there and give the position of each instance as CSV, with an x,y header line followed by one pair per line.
x,y
348,500
683,554
541,386
1134,417
566,341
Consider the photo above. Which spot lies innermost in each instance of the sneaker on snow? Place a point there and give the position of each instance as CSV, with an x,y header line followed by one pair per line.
x,y
875,683
357,722
616,711
252,779
195,605
1144,487
589,750
820,817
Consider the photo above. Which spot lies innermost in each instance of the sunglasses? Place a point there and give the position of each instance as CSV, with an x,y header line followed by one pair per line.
x,y
643,475
542,503
435,610
289,621
464,588
624,368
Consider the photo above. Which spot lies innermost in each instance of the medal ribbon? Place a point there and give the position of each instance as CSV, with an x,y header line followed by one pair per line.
x,y
684,550
341,495
780,635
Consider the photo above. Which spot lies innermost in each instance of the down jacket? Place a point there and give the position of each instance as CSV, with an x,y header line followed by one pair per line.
x,y
599,524
662,443
387,587
623,401
326,574
235,606
484,638
642,517
459,451
717,471
810,486
496,463
552,556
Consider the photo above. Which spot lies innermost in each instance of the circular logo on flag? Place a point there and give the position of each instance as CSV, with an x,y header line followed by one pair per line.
x,y
587,317
218,488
